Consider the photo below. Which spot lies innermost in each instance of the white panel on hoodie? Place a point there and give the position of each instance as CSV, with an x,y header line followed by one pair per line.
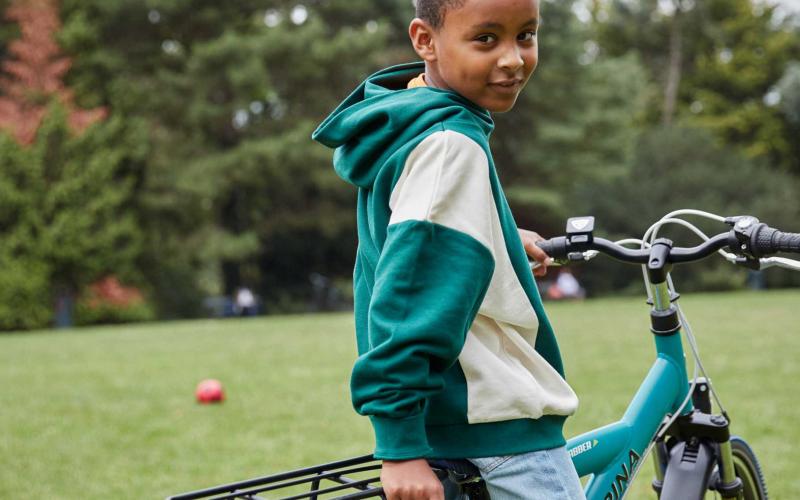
x,y
446,181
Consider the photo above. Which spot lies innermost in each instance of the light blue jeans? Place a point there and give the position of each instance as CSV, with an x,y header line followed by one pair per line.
x,y
538,475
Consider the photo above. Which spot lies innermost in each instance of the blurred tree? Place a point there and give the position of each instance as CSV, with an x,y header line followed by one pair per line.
x,y
678,167
34,73
787,92
717,63
24,283
9,30
232,192
235,193
65,215
731,90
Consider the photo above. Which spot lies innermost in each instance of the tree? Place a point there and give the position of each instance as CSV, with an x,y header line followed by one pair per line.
x,y
680,167
234,191
66,184
729,89
35,72
67,217
716,62
787,91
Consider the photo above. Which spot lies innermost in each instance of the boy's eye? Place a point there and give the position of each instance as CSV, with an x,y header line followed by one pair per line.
x,y
486,38
527,36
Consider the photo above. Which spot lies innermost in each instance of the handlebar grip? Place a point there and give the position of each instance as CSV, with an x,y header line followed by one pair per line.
x,y
557,248
769,240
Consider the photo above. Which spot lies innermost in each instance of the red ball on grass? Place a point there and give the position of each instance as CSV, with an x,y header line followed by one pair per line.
x,y
209,391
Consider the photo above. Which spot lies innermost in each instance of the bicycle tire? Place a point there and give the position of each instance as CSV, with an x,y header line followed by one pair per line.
x,y
748,469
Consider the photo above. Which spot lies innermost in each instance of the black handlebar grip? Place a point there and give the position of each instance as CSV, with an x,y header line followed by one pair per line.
x,y
768,241
557,247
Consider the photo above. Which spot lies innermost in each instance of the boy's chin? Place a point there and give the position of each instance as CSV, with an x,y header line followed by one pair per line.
x,y
500,106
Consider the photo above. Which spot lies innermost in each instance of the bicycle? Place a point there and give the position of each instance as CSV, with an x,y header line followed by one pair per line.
x,y
670,415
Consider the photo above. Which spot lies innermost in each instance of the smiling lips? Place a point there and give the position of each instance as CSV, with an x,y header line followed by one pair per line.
x,y
509,86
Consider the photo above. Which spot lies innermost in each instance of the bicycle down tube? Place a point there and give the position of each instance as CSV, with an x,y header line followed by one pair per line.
x,y
612,454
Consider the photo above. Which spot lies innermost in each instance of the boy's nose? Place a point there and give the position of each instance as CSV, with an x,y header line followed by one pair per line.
x,y
511,59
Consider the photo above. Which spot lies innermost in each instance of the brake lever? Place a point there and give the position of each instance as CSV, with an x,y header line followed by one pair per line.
x,y
573,257
783,262
534,264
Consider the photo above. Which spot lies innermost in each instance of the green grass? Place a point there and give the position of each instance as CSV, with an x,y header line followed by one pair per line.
x,y
110,412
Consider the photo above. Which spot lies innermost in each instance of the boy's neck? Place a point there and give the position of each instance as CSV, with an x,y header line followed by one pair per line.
x,y
433,78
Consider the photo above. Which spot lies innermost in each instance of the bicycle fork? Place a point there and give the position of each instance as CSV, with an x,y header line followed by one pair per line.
x,y
698,438
696,441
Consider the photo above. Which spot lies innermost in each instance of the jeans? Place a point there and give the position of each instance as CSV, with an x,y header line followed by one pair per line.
x,y
538,475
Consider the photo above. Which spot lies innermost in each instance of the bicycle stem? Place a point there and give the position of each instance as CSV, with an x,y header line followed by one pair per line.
x,y
662,298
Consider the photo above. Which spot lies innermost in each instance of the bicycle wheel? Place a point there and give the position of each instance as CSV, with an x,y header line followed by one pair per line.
x,y
748,470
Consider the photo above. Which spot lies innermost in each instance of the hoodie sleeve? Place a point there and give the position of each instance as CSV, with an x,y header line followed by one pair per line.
x,y
434,270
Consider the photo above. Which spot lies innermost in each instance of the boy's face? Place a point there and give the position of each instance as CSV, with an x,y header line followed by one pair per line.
x,y
485,50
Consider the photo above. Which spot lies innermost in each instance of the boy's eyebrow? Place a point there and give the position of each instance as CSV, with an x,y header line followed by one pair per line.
x,y
490,25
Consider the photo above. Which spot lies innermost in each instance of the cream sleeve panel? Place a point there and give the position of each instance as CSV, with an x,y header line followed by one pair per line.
x,y
446,181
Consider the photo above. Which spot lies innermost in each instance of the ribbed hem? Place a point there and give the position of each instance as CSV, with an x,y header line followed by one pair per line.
x,y
400,439
510,437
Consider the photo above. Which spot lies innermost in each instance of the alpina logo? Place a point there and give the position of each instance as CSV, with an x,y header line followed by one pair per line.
x,y
580,224
621,480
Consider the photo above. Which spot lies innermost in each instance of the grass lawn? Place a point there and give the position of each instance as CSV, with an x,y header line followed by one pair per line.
x,y
110,412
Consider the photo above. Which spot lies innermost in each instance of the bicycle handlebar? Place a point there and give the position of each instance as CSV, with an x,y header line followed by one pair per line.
x,y
560,247
748,238
770,241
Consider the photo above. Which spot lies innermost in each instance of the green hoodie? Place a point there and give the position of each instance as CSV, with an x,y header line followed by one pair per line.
x,y
456,356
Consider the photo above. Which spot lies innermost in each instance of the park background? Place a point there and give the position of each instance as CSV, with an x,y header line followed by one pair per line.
x,y
156,158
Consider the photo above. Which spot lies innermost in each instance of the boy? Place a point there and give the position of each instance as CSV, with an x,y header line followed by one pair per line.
x,y
456,356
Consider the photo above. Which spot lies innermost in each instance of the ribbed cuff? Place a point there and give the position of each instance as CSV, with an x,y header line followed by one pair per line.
x,y
400,439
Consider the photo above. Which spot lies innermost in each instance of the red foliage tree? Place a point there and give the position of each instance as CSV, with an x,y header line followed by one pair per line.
x,y
34,73
110,291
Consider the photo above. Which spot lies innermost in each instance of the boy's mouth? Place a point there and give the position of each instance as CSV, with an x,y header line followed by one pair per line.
x,y
508,86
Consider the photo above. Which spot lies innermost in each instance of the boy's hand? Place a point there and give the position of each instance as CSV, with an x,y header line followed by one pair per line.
x,y
410,480
529,239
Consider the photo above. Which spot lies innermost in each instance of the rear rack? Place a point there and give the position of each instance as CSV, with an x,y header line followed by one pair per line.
x,y
321,481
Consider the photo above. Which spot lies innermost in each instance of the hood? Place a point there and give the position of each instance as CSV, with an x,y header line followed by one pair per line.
x,y
381,115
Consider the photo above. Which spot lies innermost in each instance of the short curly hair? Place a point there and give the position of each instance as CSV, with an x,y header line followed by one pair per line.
x,y
433,11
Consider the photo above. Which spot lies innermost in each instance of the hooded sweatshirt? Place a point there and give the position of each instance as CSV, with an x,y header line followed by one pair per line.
x,y
456,356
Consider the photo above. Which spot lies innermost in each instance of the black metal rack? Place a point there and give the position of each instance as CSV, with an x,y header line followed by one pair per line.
x,y
323,482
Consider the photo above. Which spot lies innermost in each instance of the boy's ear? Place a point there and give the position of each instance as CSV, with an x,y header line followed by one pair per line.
x,y
422,38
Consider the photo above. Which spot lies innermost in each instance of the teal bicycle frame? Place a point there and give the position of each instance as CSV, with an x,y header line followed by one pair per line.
x,y
666,411
612,454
